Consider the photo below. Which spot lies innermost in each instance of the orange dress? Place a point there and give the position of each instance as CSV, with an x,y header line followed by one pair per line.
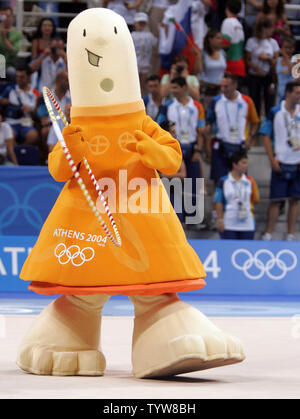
x,y
72,254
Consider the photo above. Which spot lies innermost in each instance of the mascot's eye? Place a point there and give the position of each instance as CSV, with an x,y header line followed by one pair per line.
x,y
84,32
116,31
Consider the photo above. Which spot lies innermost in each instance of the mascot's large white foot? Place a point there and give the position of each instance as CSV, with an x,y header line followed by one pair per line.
x,y
64,340
171,337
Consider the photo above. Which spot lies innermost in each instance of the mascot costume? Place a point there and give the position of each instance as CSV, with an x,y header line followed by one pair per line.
x,y
72,257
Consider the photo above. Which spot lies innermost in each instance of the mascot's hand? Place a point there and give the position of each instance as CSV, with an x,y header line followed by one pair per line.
x,y
153,154
75,142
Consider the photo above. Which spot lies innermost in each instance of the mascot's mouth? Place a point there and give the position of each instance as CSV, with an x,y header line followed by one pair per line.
x,y
93,58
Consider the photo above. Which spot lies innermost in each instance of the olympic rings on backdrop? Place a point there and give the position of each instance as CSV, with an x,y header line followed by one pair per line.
x,y
70,254
31,213
264,268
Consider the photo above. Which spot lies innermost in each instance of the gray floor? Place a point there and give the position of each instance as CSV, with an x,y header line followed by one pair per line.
x,y
271,370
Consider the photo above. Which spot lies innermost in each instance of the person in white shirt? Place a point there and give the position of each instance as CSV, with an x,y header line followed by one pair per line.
x,y
189,118
6,143
20,102
261,54
233,120
144,41
235,196
46,66
281,132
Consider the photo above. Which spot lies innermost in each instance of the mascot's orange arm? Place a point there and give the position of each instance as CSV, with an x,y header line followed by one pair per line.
x,y
167,158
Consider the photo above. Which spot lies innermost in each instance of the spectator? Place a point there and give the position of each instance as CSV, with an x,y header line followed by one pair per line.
x,y
231,116
10,41
282,130
153,100
6,143
127,9
21,102
62,95
235,197
213,64
144,41
252,8
274,10
188,116
284,67
262,52
180,68
233,40
52,137
42,39
48,64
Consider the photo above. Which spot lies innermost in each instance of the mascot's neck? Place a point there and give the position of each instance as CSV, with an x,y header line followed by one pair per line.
x,y
116,109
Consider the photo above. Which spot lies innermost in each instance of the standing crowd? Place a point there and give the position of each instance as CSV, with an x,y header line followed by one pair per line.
x,y
219,75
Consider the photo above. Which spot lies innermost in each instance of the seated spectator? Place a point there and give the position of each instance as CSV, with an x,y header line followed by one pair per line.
x,y
52,137
153,100
6,143
284,67
144,41
10,41
262,52
48,64
62,95
274,10
180,68
233,40
20,103
127,9
235,196
42,39
214,65
282,142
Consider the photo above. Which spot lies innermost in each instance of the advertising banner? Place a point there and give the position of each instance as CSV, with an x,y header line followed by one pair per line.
x,y
246,268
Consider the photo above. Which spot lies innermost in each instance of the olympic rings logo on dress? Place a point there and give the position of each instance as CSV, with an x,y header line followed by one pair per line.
x,y
73,254
264,267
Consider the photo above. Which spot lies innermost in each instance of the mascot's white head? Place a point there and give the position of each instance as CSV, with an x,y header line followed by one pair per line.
x,y
102,63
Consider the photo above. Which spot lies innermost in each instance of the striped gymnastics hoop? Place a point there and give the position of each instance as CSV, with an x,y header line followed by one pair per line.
x,y
49,101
